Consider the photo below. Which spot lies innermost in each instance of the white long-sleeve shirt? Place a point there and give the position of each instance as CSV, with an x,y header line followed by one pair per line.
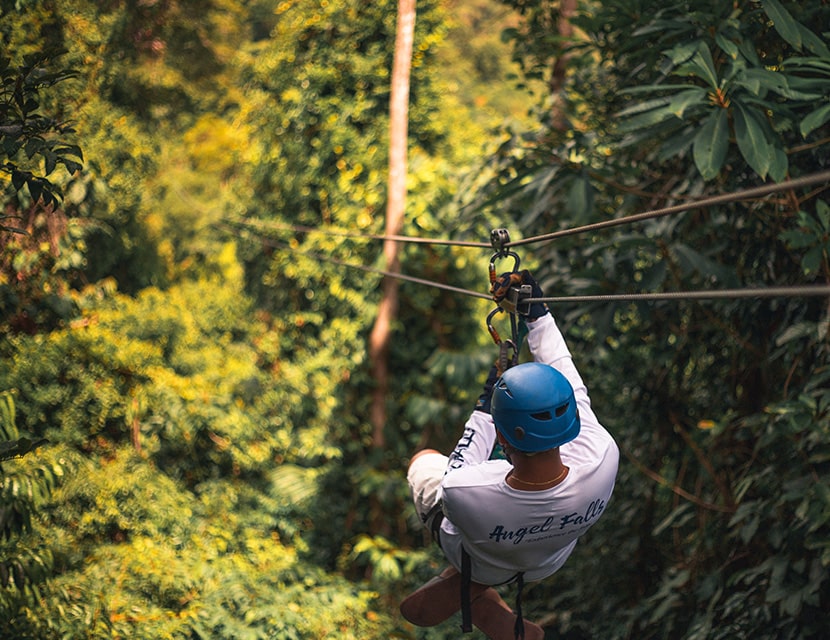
x,y
504,530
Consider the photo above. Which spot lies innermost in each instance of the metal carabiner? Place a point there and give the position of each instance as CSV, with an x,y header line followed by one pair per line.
x,y
490,328
506,361
496,256
499,238
504,345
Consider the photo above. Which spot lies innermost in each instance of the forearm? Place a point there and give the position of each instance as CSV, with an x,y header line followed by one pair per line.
x,y
547,344
476,443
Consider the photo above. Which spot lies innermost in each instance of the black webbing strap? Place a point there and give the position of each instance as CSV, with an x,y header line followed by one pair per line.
x,y
519,628
436,514
466,581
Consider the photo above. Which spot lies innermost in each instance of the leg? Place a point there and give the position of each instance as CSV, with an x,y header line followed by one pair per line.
x,y
422,452
424,475
496,619
438,599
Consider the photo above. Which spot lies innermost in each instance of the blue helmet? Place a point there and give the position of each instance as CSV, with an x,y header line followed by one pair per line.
x,y
534,407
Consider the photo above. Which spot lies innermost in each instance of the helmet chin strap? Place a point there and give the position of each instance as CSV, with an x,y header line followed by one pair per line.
x,y
506,448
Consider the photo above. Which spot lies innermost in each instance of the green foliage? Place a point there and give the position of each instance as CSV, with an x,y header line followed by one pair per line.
x,y
34,141
35,269
318,93
318,90
669,103
320,87
33,144
25,486
12,446
388,563
739,81
205,392
813,238
143,557
55,394
204,427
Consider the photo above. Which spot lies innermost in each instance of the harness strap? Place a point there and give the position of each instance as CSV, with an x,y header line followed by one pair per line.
x,y
436,514
466,604
519,628
466,581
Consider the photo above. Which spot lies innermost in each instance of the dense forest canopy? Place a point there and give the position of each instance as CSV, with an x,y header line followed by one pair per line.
x,y
186,448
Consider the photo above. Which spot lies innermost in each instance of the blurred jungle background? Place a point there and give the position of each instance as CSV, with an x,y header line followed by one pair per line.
x,y
191,442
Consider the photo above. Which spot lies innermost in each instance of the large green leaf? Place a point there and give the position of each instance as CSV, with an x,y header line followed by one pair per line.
x,y
811,261
728,46
580,197
807,88
759,81
654,88
751,133
643,107
646,119
815,119
779,165
685,99
711,143
784,23
696,59
812,65
814,43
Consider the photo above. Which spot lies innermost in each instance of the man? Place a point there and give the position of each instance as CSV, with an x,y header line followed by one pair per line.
x,y
514,520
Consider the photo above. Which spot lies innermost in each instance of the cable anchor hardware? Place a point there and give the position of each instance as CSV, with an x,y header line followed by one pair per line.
x,y
516,299
499,238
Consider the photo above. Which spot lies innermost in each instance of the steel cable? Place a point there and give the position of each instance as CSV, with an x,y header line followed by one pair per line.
x,y
276,244
357,235
747,292
734,196
746,194
714,294
794,291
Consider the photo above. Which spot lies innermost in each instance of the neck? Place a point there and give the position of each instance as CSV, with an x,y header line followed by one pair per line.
x,y
538,472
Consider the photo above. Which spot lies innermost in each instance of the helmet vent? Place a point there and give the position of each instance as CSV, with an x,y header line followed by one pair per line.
x,y
542,415
560,411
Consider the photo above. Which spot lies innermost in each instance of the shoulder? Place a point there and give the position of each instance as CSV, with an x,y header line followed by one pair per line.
x,y
477,475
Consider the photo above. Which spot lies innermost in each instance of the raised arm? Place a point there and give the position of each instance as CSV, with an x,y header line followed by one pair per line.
x,y
545,340
479,437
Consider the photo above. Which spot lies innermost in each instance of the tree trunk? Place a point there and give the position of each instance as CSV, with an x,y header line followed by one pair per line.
x,y
396,203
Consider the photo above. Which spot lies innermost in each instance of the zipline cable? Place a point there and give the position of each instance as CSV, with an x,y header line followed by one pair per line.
x,y
734,196
794,291
276,244
359,236
746,194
